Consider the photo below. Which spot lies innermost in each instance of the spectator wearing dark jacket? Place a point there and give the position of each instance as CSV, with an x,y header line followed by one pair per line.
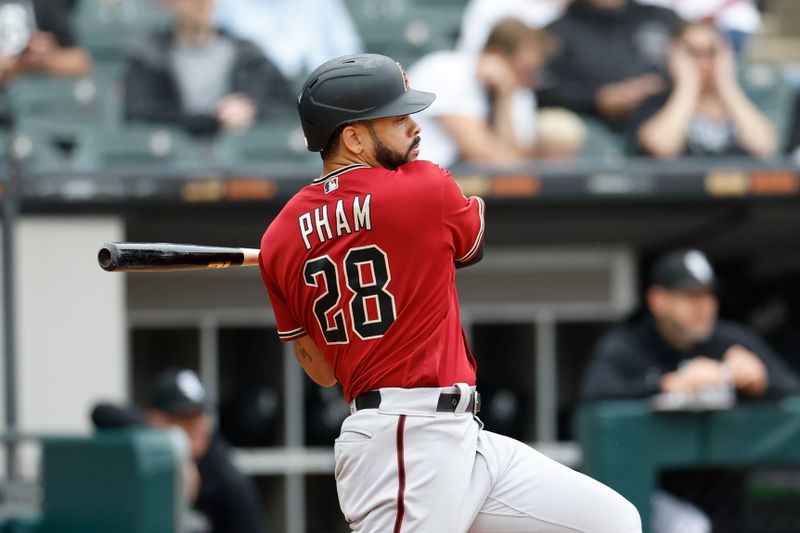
x,y
681,346
612,57
681,352
223,499
202,79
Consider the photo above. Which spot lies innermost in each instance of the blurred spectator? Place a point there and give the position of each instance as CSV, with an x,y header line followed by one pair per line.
x,y
480,16
560,134
106,416
226,500
793,140
738,19
200,78
485,109
706,112
680,350
43,43
612,57
681,346
298,35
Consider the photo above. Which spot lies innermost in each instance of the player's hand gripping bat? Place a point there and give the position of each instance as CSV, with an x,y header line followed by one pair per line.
x,y
160,257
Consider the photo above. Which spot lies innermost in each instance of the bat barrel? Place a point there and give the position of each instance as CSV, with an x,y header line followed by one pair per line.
x,y
160,257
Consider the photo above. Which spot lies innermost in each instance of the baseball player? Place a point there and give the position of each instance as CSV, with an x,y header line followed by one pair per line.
x,y
360,269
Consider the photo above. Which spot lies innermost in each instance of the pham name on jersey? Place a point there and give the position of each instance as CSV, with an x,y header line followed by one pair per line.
x,y
337,221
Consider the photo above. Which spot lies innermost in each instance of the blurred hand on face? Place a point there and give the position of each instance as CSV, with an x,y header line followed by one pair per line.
x,y
496,74
682,66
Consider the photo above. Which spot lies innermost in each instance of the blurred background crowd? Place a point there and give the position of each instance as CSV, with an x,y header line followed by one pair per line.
x,y
580,301
550,80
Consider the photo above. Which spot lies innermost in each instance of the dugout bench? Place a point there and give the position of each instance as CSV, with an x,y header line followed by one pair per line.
x,y
120,481
625,444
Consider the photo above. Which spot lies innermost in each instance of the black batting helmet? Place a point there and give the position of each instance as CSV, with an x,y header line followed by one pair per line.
x,y
352,88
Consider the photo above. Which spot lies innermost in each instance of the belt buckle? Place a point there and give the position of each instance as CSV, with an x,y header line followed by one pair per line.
x,y
476,402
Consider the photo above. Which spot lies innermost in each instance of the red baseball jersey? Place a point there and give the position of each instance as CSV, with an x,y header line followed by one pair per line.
x,y
363,261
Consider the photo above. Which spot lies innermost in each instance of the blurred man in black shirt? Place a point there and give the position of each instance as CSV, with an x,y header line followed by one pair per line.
x,y
681,354
612,58
226,500
681,345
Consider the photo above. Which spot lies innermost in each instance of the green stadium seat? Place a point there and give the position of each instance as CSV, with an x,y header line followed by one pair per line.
x,y
116,481
88,100
105,27
269,142
120,481
442,21
140,144
40,145
767,85
404,30
601,143
21,524
5,140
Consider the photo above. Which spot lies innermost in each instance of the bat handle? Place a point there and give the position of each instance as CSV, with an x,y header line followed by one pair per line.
x,y
250,256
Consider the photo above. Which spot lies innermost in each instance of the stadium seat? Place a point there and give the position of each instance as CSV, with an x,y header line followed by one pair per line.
x,y
39,145
105,27
767,85
5,139
88,100
601,143
403,29
116,481
281,140
141,144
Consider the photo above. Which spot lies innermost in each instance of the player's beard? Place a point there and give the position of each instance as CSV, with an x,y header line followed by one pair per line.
x,y
387,157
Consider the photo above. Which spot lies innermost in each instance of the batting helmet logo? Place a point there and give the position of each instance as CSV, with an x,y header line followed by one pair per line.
x,y
406,85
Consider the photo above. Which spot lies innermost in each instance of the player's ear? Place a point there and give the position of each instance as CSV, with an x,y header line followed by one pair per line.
x,y
353,138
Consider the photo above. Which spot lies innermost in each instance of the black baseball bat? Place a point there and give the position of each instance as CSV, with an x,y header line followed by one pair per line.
x,y
160,257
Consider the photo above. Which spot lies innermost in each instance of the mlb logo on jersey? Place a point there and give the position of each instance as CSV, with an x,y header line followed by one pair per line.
x,y
331,185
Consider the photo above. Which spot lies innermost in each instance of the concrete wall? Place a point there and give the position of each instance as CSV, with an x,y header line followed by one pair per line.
x,y
71,331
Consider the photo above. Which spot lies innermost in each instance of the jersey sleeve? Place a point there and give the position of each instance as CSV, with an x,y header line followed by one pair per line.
x,y
289,328
463,220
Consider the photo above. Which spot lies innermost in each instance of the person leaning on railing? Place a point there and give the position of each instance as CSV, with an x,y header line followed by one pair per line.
x,y
681,356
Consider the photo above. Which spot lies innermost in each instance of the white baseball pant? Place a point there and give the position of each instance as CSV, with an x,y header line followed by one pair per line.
x,y
406,468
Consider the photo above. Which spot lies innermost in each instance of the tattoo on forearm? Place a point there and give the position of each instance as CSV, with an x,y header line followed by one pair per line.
x,y
300,352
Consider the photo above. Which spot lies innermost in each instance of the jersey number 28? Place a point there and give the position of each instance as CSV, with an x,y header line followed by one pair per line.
x,y
366,276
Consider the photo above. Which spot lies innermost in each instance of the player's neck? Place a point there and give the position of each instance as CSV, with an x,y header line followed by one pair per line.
x,y
342,160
